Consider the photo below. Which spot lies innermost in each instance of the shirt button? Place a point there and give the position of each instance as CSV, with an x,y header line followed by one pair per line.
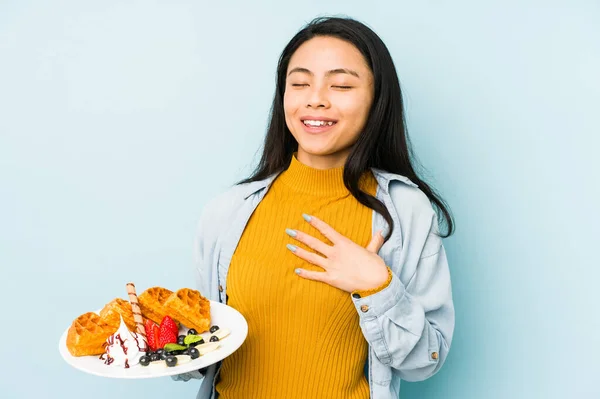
x,y
220,288
364,308
434,355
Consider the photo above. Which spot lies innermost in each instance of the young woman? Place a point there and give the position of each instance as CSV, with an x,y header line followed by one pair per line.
x,y
331,250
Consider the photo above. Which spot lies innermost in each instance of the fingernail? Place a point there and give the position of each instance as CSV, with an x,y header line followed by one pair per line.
x,y
306,217
290,232
297,271
291,247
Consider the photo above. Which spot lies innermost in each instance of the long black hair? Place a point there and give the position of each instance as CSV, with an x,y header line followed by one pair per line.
x,y
384,142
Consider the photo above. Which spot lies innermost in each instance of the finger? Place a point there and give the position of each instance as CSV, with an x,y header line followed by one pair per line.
x,y
376,243
311,241
310,257
312,275
325,229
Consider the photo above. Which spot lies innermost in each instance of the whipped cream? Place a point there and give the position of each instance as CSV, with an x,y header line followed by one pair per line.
x,y
124,348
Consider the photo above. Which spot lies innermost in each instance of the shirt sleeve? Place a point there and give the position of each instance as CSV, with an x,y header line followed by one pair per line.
x,y
410,326
359,293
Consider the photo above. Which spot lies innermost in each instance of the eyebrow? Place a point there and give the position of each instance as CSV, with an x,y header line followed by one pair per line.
x,y
328,73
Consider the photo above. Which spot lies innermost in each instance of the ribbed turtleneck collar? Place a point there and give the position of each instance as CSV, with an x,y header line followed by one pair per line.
x,y
308,180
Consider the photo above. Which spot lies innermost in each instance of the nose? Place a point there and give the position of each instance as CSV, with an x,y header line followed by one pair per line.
x,y
318,98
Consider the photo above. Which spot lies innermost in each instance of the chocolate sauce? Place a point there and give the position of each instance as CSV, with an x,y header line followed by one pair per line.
x,y
108,359
122,344
137,342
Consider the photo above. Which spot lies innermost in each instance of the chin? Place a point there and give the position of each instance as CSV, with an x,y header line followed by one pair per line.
x,y
316,150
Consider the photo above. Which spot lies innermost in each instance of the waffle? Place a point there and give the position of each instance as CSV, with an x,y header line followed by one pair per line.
x,y
152,303
87,335
89,332
114,310
190,308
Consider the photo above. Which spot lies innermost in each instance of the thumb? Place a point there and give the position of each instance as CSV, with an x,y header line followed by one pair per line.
x,y
376,243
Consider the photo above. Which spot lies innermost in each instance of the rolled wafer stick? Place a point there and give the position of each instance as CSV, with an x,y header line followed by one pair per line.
x,y
137,312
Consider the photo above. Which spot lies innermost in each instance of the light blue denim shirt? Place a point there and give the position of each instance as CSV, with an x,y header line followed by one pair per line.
x,y
408,325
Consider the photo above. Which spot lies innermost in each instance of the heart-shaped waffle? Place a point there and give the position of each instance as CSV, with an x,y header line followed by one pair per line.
x,y
190,308
152,303
87,335
114,310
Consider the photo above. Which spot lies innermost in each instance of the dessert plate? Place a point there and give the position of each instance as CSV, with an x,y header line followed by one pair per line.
x,y
222,315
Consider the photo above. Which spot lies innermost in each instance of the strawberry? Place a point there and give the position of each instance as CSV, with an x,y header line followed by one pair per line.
x,y
153,335
166,335
148,325
170,323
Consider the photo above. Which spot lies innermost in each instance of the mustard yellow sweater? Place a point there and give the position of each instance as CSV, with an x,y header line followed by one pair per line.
x,y
304,339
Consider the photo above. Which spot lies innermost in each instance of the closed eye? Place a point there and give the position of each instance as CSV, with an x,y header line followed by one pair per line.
x,y
299,84
343,87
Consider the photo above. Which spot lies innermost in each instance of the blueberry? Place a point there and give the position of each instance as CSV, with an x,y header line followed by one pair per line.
x,y
194,353
213,329
160,351
171,361
214,338
192,331
180,340
154,357
145,360
163,355
194,344
175,353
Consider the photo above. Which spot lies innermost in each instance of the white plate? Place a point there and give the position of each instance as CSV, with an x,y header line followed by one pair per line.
x,y
222,315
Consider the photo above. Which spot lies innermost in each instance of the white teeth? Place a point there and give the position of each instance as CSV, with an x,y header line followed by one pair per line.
x,y
317,123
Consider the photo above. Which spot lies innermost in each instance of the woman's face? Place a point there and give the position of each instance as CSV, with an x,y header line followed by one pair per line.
x,y
328,95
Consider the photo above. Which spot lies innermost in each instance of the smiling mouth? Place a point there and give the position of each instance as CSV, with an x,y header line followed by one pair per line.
x,y
318,123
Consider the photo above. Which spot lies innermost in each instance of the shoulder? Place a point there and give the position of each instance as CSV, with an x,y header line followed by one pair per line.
x,y
222,206
417,216
406,197
217,214
409,200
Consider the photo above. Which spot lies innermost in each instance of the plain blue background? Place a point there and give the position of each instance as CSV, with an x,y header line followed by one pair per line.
x,y
120,119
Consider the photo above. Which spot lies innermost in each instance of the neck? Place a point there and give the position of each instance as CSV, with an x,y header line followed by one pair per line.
x,y
308,180
335,160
